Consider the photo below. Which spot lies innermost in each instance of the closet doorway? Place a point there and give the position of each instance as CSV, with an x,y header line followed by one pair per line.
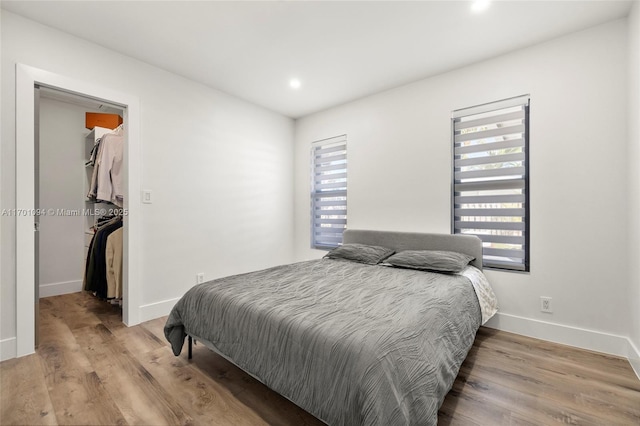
x,y
66,217
28,82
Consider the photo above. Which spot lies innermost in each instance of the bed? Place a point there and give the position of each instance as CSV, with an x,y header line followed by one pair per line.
x,y
352,343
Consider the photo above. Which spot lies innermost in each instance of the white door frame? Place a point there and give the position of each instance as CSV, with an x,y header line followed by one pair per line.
x,y
26,79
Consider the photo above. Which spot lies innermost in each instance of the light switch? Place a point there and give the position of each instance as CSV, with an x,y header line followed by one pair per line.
x,y
146,196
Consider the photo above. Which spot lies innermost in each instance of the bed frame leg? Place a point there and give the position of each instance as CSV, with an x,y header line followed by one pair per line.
x,y
190,346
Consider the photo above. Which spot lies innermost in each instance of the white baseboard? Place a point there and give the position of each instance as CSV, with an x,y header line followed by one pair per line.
x,y
8,348
157,310
567,335
56,289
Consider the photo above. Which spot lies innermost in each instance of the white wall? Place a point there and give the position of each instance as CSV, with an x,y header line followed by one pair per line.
x,y
634,181
399,152
219,168
62,186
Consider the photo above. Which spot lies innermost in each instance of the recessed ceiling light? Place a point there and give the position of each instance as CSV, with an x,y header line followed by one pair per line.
x,y
480,5
295,83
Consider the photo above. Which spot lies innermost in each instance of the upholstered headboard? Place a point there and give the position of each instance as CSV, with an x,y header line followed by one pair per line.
x,y
467,244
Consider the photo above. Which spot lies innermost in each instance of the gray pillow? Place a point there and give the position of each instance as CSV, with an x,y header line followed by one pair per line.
x,y
430,260
362,253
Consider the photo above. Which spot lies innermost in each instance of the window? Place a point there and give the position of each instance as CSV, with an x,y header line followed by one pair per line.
x,y
491,180
328,192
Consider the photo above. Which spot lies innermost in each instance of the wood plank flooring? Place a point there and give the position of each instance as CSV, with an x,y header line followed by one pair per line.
x,y
92,370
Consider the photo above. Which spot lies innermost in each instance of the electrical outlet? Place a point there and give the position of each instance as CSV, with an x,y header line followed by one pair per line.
x,y
200,278
545,304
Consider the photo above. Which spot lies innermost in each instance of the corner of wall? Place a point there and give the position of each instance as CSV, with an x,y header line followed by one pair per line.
x,y
633,187
633,356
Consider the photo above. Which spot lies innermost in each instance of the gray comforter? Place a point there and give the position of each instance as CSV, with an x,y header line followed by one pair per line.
x,y
352,344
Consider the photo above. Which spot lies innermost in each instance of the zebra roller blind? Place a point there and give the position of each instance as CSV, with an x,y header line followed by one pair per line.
x,y
491,180
328,192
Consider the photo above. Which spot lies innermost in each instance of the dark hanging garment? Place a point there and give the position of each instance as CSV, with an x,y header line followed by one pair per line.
x,y
96,271
88,266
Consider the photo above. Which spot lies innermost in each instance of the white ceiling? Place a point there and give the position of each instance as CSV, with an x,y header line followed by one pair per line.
x,y
339,50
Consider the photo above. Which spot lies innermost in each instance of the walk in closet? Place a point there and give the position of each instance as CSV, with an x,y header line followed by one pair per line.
x,y
75,166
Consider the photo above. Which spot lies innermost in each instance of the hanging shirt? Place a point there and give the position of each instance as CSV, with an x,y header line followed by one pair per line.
x,y
93,188
109,172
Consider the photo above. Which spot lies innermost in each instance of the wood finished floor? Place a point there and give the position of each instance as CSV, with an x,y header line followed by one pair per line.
x,y
92,370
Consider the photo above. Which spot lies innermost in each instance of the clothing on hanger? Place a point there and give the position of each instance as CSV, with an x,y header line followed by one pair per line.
x,y
107,178
94,153
114,264
96,265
